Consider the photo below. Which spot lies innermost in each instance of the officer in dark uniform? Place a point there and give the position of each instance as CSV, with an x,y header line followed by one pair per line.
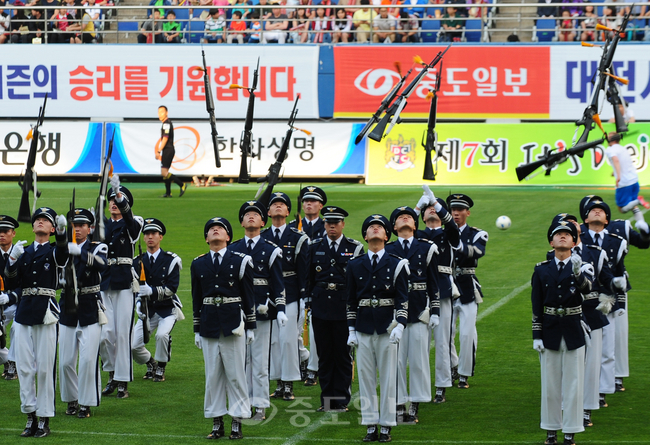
x,y
472,248
80,330
377,315
162,270
285,361
224,319
166,151
269,300
37,316
122,232
8,227
557,288
423,313
327,300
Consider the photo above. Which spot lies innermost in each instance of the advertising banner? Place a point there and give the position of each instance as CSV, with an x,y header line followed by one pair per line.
x,y
483,154
131,81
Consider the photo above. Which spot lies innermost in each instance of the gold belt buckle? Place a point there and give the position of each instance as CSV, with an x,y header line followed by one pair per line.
x,y
217,301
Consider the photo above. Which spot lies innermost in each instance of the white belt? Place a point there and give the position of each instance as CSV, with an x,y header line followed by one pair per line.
x,y
376,302
446,269
89,290
260,282
289,273
218,301
561,311
119,261
467,271
39,291
418,286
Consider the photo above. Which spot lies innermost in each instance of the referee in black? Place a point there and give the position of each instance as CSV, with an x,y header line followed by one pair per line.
x,y
167,153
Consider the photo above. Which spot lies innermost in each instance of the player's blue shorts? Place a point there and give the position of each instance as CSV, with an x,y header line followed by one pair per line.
x,y
627,194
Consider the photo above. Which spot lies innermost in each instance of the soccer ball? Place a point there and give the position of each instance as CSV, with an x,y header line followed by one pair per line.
x,y
503,222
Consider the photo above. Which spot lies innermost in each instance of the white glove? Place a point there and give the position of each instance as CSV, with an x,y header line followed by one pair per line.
x,y
145,290
396,333
74,249
619,282
642,226
429,193
138,305
302,306
17,251
587,331
353,341
423,202
4,299
250,336
619,312
197,340
538,345
115,183
282,319
576,262
434,321
61,223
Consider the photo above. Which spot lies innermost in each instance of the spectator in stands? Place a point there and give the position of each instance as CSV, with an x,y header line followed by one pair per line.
x,y
476,12
350,8
157,3
171,29
417,8
341,27
291,12
265,13
256,28
574,10
567,33
329,12
240,6
407,28
94,13
549,8
384,26
71,8
49,13
5,24
215,27
84,27
216,3
276,27
19,24
452,26
300,26
610,19
588,25
362,20
151,29
36,28
61,34
321,27
432,12
237,28
461,11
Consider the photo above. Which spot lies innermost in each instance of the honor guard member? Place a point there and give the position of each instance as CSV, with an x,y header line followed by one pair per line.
x,y
434,214
37,316
641,240
165,151
8,227
269,301
285,360
557,288
423,312
162,270
312,199
327,301
224,319
465,308
80,330
377,315
122,232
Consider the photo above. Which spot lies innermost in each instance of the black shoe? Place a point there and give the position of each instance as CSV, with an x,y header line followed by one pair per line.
x,y
159,374
183,188
619,385
11,373
288,392
602,402
312,379
111,386
217,429
279,391
440,396
568,439
372,435
412,416
122,392
84,412
235,430
462,382
73,408
151,369
400,411
43,427
587,418
31,426
259,415
454,374
384,434
166,195
551,438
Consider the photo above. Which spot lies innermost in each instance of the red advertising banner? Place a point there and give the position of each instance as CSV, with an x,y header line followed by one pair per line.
x,y
478,81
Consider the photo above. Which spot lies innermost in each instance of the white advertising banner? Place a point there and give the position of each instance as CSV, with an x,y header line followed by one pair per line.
x,y
573,68
131,81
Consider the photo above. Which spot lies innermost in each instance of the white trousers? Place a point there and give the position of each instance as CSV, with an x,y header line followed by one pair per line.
x,y
607,365
257,366
312,364
225,377
80,342
163,327
465,315
285,364
593,356
115,346
621,349
562,389
280,36
8,354
35,363
414,349
377,353
442,340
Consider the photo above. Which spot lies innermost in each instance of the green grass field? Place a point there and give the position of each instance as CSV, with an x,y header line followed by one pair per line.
x,y
502,404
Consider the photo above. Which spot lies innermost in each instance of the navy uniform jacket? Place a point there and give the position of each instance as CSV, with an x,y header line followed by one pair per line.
x,y
120,237
232,278
295,261
267,275
554,291
472,247
315,231
89,267
423,265
163,278
328,294
37,276
368,286
616,249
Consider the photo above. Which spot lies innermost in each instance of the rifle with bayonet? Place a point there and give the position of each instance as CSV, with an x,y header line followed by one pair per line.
x,y
393,113
100,207
70,288
247,135
209,105
615,99
144,300
28,182
430,137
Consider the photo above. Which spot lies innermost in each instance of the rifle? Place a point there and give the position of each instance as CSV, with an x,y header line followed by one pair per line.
x,y
385,103
3,330
100,207
70,289
273,176
29,178
298,210
554,158
144,301
209,105
430,137
247,134
396,108
614,98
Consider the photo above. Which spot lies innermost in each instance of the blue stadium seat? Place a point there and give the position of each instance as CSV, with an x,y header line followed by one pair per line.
x,y
128,26
638,31
430,29
196,12
473,30
545,30
431,12
196,31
